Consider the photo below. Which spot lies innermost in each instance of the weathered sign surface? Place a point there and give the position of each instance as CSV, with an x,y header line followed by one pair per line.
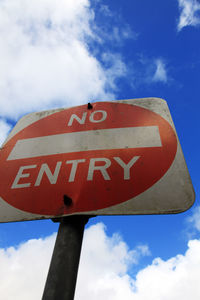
x,y
120,157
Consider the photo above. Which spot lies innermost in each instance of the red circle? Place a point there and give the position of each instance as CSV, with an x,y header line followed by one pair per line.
x,y
98,193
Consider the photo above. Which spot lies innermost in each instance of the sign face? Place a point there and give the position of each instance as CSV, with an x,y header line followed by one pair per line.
x,y
119,157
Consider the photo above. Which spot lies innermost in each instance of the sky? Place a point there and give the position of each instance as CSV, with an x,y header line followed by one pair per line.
x,y
61,54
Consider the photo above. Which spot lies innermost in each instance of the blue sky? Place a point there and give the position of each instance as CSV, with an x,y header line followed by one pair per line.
x,y
81,51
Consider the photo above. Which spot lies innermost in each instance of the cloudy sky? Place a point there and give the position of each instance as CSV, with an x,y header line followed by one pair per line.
x,y
70,52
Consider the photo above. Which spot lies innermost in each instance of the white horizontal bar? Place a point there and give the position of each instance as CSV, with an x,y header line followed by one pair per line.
x,y
104,139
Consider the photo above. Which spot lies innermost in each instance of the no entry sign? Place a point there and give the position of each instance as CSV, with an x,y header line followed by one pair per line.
x,y
119,157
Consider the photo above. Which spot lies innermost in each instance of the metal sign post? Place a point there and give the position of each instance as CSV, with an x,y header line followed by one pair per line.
x,y
61,279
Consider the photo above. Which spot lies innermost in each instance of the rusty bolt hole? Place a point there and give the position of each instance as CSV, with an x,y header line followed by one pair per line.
x,y
90,106
67,200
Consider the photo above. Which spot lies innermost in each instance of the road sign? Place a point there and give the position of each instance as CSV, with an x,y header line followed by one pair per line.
x,y
120,157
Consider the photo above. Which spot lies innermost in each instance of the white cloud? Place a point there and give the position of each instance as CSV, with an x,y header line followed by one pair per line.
x,y
176,278
115,65
190,13
4,129
160,73
104,270
46,58
24,269
106,276
106,10
194,219
152,70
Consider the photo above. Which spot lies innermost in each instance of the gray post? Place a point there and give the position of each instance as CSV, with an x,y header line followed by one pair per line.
x,y
61,279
